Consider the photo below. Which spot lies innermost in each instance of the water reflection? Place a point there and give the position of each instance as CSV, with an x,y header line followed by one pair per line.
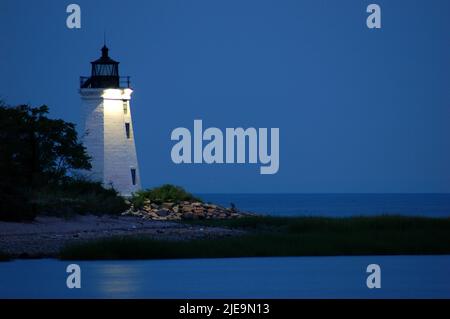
x,y
116,280
291,277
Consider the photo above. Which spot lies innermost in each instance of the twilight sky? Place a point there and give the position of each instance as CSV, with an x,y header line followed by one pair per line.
x,y
359,110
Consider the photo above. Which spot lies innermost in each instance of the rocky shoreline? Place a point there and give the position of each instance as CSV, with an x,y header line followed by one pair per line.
x,y
45,236
184,210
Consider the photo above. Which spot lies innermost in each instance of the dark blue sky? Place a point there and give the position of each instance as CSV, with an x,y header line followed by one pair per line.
x,y
359,110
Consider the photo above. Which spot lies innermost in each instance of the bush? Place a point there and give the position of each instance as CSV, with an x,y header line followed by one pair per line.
x,y
164,193
79,196
15,204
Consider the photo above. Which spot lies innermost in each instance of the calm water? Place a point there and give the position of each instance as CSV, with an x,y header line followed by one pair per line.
x,y
436,205
290,277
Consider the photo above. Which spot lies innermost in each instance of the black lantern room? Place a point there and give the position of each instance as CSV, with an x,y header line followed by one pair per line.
x,y
104,73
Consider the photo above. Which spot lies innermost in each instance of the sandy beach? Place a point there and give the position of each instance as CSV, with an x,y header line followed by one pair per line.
x,y
47,235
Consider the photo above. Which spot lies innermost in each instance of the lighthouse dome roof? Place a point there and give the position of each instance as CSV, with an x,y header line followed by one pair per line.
x,y
105,59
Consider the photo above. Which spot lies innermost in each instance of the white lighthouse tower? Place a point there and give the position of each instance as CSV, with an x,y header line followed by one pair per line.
x,y
108,126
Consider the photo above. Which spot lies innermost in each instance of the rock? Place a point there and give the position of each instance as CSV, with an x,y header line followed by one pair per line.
x,y
186,209
198,210
163,212
167,205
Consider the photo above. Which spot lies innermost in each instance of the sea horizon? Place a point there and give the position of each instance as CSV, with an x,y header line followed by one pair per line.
x,y
336,204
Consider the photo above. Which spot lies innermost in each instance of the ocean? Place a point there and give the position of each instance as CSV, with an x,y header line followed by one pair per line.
x,y
336,205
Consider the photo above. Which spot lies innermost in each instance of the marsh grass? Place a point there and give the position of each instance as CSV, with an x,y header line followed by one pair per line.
x,y
275,236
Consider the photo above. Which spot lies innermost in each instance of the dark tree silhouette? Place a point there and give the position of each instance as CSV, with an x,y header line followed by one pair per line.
x,y
34,151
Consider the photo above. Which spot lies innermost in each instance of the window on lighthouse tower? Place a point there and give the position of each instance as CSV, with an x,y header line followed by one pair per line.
x,y
125,107
133,176
127,130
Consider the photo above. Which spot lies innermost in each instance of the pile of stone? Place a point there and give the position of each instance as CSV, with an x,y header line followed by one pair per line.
x,y
184,210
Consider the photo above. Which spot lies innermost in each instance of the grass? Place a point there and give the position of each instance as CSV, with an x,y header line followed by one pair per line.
x,y
67,197
273,236
79,197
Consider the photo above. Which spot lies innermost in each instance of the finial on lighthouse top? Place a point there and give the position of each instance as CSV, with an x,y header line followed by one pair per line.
x,y
104,48
105,51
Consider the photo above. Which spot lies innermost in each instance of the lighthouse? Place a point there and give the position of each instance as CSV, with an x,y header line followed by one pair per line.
x,y
107,126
